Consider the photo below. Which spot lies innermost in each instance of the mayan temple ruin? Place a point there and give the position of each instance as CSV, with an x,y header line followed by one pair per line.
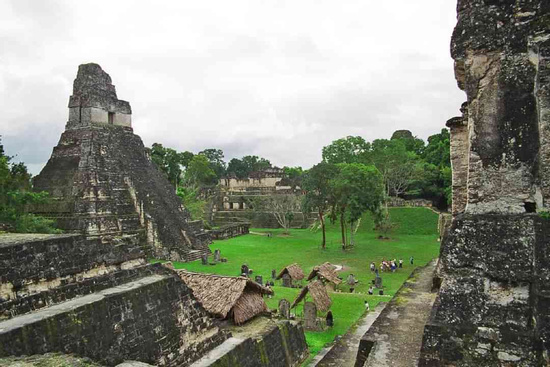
x,y
493,307
104,185
92,293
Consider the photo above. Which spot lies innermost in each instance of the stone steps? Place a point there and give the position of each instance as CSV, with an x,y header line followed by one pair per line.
x,y
73,304
73,288
218,352
142,320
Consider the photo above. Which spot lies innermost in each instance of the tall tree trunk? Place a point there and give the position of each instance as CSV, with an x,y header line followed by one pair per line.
x,y
324,244
351,234
342,226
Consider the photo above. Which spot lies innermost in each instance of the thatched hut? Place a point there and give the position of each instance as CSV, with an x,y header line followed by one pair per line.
x,y
236,298
326,273
294,271
319,294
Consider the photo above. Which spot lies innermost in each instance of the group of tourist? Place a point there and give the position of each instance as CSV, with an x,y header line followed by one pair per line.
x,y
389,265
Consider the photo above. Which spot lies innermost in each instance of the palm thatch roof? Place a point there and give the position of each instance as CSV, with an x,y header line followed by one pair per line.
x,y
248,305
221,295
325,271
294,270
318,293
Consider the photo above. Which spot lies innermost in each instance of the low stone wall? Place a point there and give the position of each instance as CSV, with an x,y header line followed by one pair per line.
x,y
281,344
259,219
230,231
399,202
154,319
30,263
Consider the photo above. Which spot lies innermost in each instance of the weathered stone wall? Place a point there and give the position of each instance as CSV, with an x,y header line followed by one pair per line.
x,y
259,219
492,307
459,162
230,231
94,100
35,263
153,319
500,52
281,345
103,184
268,183
400,202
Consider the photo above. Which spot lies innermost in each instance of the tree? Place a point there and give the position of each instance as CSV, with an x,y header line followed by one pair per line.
x,y
281,206
412,143
169,161
199,172
351,149
238,168
316,184
292,176
16,195
436,181
255,163
395,163
216,162
248,164
356,189
190,198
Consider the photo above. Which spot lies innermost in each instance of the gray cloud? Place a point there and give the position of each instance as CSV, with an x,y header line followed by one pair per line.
x,y
279,79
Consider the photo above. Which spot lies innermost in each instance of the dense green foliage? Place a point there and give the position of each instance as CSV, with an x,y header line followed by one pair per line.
x,y
16,195
242,168
355,190
192,201
415,236
410,168
170,162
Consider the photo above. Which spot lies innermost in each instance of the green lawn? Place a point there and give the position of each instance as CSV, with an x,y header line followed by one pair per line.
x,y
415,235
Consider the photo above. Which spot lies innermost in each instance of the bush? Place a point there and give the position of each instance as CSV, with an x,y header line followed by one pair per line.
x,y
30,223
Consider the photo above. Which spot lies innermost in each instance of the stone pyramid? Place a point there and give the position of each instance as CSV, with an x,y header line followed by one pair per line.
x,y
103,183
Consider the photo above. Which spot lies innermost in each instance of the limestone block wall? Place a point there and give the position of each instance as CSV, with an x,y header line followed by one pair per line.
x,y
243,184
154,320
260,219
540,57
459,163
493,305
35,263
500,62
491,310
283,345
230,231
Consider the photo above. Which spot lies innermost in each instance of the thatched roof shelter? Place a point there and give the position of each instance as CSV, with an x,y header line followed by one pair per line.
x,y
318,293
238,298
294,270
326,272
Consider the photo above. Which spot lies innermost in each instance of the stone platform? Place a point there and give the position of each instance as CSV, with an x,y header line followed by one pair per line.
x,y
395,338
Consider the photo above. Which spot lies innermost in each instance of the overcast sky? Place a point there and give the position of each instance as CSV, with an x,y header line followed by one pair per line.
x,y
279,79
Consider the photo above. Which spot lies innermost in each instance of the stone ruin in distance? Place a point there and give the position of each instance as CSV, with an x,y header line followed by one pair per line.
x,y
103,184
493,307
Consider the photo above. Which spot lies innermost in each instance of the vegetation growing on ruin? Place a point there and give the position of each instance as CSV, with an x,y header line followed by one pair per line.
x,y
415,235
16,195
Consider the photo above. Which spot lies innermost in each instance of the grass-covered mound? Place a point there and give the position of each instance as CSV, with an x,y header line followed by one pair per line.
x,y
415,235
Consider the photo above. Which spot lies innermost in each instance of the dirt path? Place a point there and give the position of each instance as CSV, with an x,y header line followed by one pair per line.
x,y
396,336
